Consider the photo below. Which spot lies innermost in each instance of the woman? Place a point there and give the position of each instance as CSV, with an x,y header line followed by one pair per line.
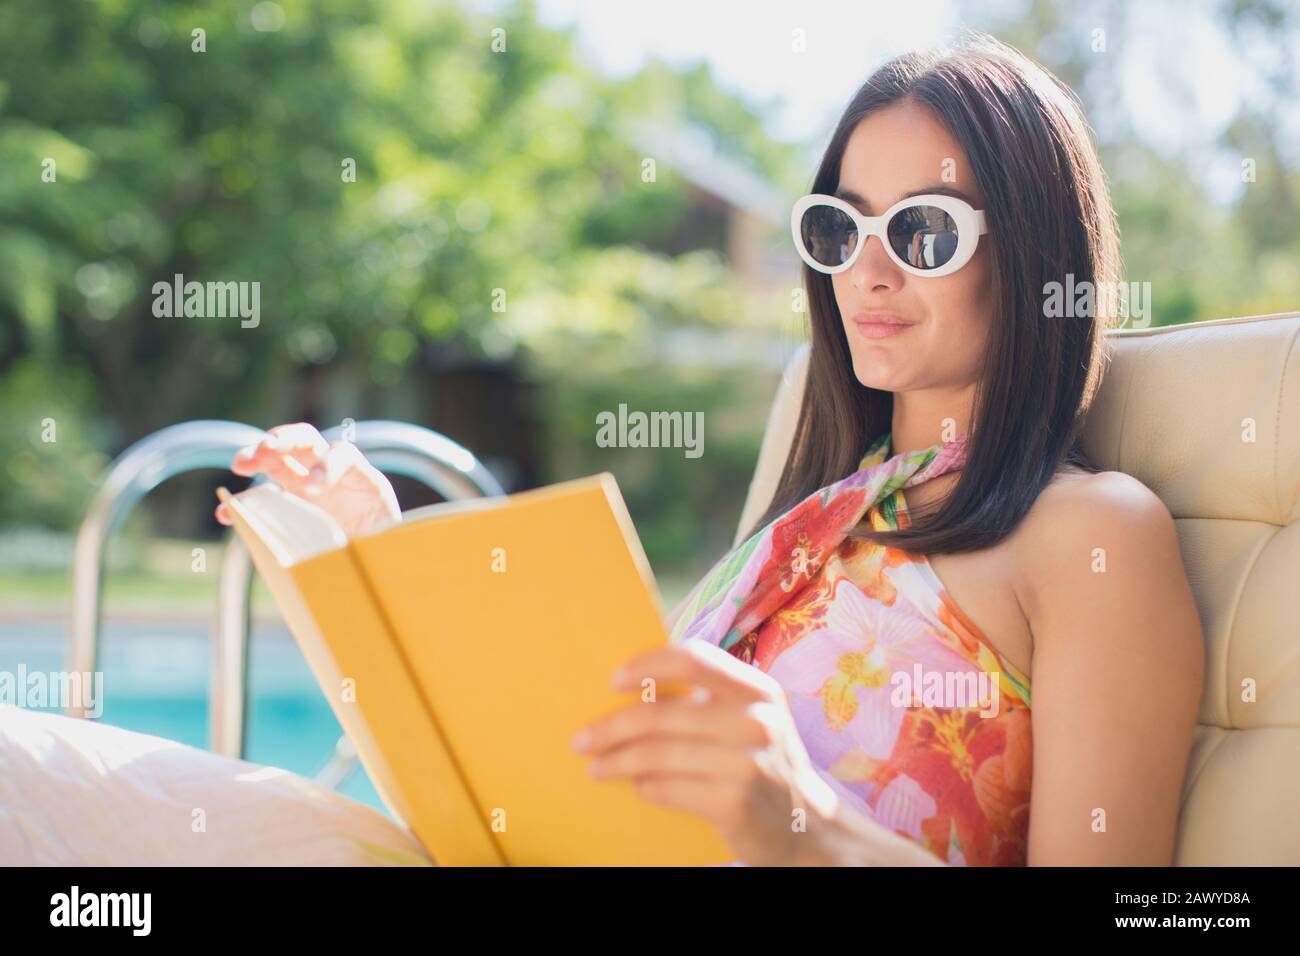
x,y
865,658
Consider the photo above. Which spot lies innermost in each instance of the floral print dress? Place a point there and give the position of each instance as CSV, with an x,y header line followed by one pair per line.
x,y
904,706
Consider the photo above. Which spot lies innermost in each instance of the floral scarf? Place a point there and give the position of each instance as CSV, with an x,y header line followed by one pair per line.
x,y
758,578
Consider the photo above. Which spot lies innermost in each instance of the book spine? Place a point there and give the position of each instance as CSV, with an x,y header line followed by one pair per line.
x,y
353,651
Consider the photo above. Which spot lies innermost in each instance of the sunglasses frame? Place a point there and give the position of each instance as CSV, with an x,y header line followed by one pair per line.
x,y
971,224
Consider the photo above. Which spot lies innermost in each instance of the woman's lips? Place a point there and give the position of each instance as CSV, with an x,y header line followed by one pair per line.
x,y
880,325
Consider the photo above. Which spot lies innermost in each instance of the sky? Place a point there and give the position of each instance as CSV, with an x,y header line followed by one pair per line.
x,y
750,46
1182,80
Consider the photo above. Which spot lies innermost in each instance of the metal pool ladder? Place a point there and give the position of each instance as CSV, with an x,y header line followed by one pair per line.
x,y
396,448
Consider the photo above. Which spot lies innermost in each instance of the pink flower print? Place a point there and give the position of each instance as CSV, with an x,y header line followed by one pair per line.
x,y
903,806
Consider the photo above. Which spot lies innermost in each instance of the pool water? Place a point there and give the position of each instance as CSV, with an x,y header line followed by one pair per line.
x,y
156,673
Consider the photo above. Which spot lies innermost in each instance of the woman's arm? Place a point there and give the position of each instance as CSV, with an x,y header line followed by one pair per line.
x,y
1118,668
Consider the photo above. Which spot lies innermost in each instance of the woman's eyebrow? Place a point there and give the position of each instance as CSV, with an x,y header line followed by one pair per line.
x,y
849,196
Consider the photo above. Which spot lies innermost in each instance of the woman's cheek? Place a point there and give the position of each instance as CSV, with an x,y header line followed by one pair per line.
x,y
841,290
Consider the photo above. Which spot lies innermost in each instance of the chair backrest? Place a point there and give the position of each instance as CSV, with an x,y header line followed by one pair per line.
x,y
1207,415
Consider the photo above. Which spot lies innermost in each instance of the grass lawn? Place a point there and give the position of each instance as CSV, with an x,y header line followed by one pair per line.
x,y
163,580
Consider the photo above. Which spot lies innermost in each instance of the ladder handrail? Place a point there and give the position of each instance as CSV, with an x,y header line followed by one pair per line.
x,y
132,475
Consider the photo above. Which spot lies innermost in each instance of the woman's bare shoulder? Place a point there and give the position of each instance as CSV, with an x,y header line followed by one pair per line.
x,y
1075,492
1076,498
1088,520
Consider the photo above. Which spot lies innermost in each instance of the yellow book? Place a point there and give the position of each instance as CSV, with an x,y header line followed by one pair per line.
x,y
462,648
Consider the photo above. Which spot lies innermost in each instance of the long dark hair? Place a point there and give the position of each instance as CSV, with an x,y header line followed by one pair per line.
x,y
1049,214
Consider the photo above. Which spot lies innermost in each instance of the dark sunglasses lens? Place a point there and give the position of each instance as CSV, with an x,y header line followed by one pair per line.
x,y
923,236
829,235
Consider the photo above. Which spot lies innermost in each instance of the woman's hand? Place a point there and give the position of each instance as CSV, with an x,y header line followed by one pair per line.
x,y
336,478
728,752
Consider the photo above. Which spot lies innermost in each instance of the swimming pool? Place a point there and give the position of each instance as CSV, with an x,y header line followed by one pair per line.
x,y
156,673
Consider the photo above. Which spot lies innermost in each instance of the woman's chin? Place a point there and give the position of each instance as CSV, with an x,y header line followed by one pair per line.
x,y
882,381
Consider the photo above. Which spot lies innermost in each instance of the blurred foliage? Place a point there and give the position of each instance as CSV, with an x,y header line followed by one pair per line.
x,y
50,447
476,170
479,171
684,508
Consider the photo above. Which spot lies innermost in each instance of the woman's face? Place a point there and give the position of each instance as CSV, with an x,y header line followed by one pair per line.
x,y
895,151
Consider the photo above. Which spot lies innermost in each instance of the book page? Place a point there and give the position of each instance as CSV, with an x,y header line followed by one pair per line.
x,y
293,529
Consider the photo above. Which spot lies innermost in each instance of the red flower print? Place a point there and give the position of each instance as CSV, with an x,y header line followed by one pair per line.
x,y
801,538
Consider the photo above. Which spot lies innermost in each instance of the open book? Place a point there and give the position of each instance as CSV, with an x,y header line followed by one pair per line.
x,y
462,648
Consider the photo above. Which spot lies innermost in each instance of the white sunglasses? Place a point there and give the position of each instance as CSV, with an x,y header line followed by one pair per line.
x,y
931,235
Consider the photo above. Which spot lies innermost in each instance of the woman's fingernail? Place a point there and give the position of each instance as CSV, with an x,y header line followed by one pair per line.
x,y
582,740
596,768
620,677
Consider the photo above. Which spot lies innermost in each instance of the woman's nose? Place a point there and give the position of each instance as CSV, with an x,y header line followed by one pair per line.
x,y
873,267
